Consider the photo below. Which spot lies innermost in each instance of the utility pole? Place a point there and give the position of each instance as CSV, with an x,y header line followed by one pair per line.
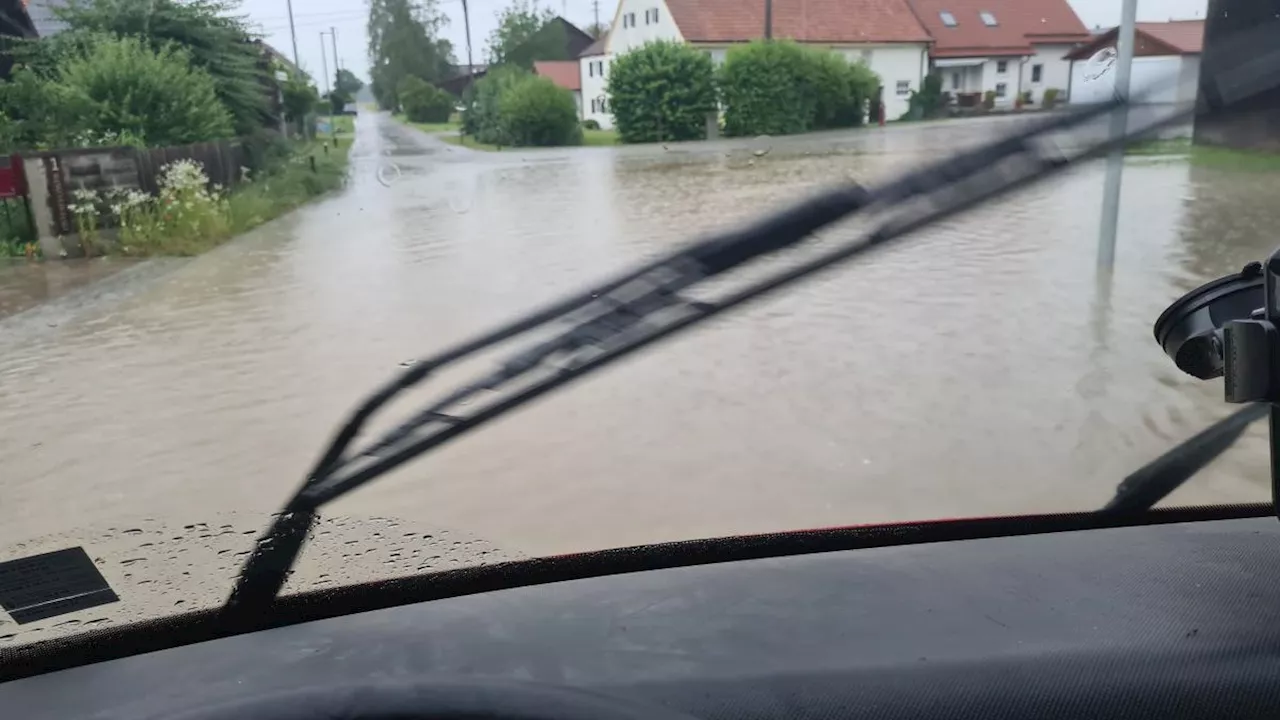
x,y
1119,125
324,63
333,35
466,25
595,8
293,35
768,19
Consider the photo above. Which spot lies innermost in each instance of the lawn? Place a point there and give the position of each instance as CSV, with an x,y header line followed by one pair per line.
x,y
1224,158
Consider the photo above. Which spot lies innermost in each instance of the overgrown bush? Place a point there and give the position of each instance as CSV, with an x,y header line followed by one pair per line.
x,y
513,107
662,91
590,124
1050,98
215,33
989,100
535,112
929,102
122,86
482,119
780,88
423,102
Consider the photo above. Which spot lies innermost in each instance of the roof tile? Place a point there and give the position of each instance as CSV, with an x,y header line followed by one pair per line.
x,y
561,72
817,21
1019,23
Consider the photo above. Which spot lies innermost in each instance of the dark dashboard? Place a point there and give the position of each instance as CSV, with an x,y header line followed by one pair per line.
x,y
1168,621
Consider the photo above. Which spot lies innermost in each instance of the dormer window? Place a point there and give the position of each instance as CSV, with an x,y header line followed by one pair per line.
x,y
988,19
947,18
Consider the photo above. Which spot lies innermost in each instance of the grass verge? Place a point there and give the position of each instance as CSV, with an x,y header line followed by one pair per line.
x,y
1204,156
448,132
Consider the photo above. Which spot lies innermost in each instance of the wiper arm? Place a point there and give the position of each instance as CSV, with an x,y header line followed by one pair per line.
x,y
590,330
1156,480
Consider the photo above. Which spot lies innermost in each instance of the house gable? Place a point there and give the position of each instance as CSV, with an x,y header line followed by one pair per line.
x,y
636,22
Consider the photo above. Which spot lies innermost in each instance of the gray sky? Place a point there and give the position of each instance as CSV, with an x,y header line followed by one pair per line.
x,y
311,17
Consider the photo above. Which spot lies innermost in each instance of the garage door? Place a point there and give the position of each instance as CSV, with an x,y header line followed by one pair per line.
x,y
1094,81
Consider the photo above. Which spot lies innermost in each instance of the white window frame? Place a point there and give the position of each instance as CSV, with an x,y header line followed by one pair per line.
x,y
1002,90
1037,73
1002,66
903,87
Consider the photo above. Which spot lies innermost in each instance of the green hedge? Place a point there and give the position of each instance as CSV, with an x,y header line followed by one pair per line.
x,y
781,87
423,102
512,107
662,91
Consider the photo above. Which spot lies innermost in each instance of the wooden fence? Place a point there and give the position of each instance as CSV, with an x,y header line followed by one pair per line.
x,y
99,169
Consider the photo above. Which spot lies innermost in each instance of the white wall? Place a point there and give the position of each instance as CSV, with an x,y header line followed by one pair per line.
x,y
1055,72
593,86
646,29
906,62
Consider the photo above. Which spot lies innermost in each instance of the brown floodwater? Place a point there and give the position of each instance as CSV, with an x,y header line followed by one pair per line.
x,y
983,367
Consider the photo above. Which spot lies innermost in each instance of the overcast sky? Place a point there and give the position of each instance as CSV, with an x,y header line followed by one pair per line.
x,y
311,17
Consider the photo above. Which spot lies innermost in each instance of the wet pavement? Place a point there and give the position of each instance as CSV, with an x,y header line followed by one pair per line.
x,y
982,368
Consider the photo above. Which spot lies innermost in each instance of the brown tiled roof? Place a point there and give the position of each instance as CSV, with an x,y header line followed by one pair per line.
x,y
595,48
1185,36
818,21
1179,37
1019,23
562,72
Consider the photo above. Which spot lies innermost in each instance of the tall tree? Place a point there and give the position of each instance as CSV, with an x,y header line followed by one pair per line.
x,y
404,39
218,39
525,34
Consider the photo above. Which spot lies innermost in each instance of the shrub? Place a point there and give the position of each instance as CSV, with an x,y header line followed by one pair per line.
x,y
590,124
662,91
536,112
423,102
481,118
989,99
1026,98
121,85
1050,98
780,88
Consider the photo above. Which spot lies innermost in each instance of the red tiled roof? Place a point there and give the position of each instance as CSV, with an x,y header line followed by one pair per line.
x,y
1178,37
1019,23
817,21
1185,36
562,72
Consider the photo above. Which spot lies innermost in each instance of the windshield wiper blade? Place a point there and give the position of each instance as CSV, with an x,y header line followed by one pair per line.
x,y
592,329
1156,480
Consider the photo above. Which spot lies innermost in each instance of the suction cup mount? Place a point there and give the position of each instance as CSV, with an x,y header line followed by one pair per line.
x,y
1230,328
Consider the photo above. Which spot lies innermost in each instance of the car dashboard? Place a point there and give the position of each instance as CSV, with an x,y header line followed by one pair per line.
x,y
1171,621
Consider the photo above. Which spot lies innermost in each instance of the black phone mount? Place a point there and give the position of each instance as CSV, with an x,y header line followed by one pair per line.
x,y
1230,328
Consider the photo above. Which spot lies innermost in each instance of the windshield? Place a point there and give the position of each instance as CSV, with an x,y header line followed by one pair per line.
x,y
161,397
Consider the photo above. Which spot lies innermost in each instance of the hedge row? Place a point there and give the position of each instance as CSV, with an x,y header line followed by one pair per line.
x,y
512,107
664,91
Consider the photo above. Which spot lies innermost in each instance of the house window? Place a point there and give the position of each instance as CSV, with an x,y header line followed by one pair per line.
x,y
629,20
651,16
904,87
1002,66
988,19
1037,71
1001,89
947,18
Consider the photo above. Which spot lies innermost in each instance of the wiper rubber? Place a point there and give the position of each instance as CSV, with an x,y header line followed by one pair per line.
x,y
592,329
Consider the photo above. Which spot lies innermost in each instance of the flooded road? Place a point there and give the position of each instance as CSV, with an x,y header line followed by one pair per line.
x,y
982,368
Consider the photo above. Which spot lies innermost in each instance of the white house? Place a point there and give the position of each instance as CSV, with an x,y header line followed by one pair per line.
x,y
593,63
1162,51
1006,47
885,34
